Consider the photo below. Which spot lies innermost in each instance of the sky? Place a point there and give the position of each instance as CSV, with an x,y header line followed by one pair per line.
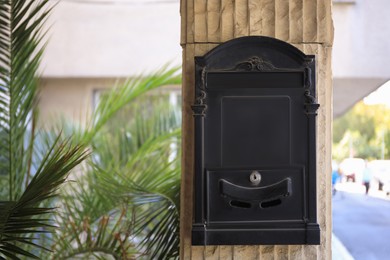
x,y
380,96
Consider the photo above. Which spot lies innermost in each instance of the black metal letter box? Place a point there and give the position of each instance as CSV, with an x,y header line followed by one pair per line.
x,y
255,154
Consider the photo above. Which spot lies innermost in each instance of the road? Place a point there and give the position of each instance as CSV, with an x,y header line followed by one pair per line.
x,y
362,223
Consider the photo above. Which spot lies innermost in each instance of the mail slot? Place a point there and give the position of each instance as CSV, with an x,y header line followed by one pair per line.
x,y
255,156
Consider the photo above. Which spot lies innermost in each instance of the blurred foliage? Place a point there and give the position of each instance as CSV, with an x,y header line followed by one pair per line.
x,y
31,171
362,132
124,202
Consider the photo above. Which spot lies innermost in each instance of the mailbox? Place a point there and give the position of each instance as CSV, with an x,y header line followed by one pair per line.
x,y
255,156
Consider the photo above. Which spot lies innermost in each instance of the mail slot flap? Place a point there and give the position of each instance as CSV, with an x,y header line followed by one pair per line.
x,y
262,194
275,194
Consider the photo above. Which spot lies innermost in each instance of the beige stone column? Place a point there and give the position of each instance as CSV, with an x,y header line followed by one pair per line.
x,y
307,24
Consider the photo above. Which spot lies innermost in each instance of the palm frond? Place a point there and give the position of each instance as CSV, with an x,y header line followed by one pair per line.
x,y
128,91
132,170
21,34
82,236
36,167
31,179
24,217
150,182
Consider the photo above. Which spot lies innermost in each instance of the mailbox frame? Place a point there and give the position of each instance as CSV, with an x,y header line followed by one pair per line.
x,y
255,56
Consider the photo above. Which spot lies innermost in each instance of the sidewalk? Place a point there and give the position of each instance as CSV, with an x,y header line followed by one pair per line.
x,y
339,252
360,189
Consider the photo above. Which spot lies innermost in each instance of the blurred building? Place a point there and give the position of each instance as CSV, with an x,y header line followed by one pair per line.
x,y
361,50
94,42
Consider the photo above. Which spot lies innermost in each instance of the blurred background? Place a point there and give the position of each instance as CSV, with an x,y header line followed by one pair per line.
x,y
95,43
361,129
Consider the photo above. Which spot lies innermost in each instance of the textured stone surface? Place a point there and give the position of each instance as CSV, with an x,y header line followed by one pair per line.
x,y
295,21
308,25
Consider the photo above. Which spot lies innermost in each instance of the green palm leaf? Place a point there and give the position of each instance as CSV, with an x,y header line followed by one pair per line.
x,y
32,176
24,217
33,165
145,177
132,182
20,53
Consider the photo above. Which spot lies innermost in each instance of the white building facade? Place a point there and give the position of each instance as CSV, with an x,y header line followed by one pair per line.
x,y
94,42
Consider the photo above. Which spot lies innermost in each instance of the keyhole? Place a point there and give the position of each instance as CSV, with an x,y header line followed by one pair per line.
x,y
255,177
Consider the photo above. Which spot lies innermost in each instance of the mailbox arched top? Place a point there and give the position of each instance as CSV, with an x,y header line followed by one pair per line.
x,y
269,53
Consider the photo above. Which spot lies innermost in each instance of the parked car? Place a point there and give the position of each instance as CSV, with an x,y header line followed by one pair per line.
x,y
352,169
381,174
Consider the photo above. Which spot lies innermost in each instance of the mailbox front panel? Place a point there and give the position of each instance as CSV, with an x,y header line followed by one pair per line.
x,y
254,130
255,177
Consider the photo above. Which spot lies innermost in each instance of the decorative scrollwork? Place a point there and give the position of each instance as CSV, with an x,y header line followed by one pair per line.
x,y
255,63
311,104
201,98
199,108
307,77
310,99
